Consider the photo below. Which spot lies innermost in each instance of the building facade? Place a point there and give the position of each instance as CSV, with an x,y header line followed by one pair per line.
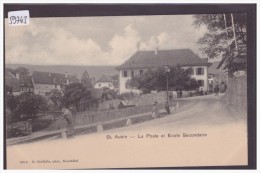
x,y
141,61
104,82
200,74
37,82
18,84
44,82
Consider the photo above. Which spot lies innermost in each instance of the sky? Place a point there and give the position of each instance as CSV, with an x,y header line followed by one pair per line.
x,y
98,41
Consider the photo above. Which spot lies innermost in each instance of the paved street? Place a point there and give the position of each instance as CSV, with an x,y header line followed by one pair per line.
x,y
209,134
195,112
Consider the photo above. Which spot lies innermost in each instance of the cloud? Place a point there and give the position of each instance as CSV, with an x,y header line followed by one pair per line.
x,y
49,45
54,45
160,41
123,46
57,41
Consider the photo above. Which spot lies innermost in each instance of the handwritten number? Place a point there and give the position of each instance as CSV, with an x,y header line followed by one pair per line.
x,y
18,19
25,17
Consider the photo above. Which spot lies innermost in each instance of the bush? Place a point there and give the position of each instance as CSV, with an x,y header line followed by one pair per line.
x,y
40,124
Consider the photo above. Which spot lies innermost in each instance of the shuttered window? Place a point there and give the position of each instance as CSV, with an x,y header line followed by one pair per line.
x,y
200,71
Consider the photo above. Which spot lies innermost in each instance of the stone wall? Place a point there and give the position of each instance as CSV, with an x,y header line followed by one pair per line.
x,y
236,94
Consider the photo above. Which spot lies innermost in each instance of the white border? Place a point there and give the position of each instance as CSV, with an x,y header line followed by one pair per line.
x,y
120,2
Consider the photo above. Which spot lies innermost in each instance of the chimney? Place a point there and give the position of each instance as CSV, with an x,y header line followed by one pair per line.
x,y
17,75
156,51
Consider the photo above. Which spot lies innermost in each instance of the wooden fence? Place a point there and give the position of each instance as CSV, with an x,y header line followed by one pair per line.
x,y
85,118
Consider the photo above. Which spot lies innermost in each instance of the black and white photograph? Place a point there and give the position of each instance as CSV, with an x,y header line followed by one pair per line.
x,y
127,91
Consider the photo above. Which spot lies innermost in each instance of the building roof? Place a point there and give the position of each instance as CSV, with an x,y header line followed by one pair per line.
x,y
104,78
52,78
73,79
48,78
213,68
12,82
26,81
147,59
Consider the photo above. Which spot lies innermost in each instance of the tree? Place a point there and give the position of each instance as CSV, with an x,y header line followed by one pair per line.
x,y
10,105
56,97
126,96
74,93
115,77
9,70
191,84
10,102
22,71
85,80
224,40
156,79
29,105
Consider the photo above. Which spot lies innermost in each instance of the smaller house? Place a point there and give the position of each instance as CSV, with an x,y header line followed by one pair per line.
x,y
12,84
44,82
104,82
18,84
26,84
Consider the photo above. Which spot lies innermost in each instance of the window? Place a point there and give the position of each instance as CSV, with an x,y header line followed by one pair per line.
x,y
132,73
124,73
99,84
200,71
201,83
141,72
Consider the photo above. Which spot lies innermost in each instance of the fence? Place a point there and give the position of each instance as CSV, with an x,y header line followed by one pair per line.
x,y
145,99
138,100
85,118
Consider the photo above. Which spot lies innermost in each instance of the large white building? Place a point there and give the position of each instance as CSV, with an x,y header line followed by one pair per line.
x,y
141,61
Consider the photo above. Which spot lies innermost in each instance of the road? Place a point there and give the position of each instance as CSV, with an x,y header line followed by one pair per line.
x,y
209,135
195,112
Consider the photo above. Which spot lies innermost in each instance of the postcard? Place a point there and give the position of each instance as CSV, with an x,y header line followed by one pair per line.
x,y
129,86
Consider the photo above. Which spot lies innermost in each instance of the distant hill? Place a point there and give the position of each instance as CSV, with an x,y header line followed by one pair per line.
x,y
93,71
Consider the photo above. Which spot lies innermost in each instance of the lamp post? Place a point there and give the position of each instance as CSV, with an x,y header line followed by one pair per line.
x,y
167,70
